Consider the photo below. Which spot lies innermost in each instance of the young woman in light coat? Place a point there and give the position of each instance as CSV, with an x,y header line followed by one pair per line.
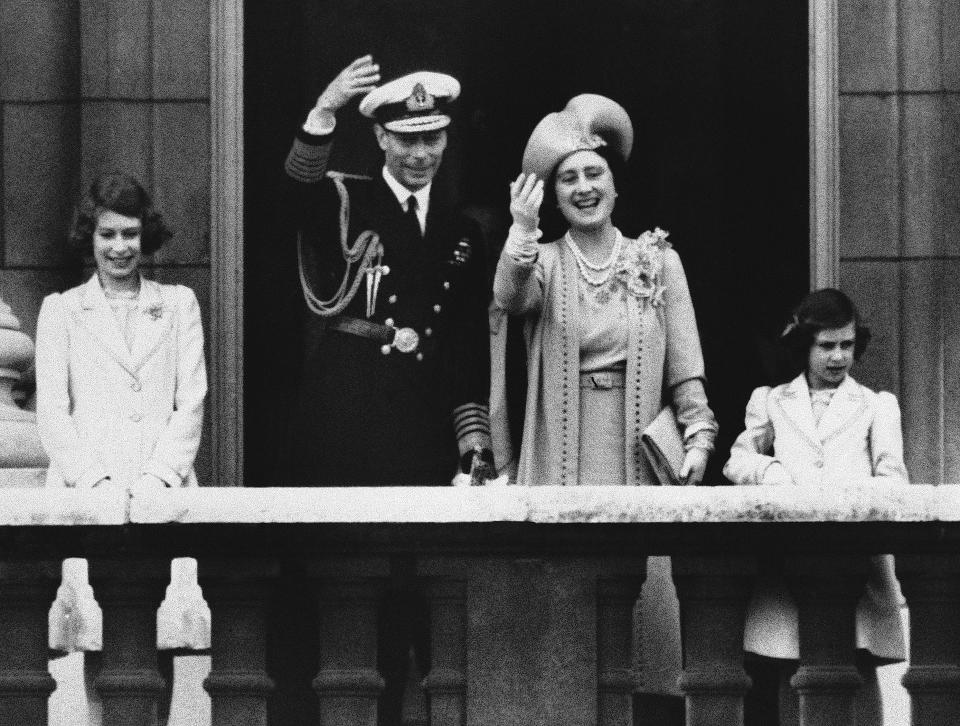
x,y
821,428
121,378
121,382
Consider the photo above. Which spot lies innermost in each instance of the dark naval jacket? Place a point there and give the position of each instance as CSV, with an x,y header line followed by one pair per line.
x,y
368,413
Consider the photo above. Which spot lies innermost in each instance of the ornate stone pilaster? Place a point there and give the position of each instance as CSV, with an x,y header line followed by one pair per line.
x,y
447,680
238,684
19,442
713,594
931,584
129,592
26,591
616,679
827,589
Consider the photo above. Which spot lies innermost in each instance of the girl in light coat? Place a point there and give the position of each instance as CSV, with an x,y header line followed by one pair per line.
x,y
121,382
819,428
121,378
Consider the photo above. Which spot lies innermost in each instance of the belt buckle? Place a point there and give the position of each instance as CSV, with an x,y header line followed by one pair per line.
x,y
405,340
601,380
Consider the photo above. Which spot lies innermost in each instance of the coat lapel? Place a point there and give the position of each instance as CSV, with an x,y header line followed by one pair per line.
x,y
97,318
847,403
794,401
154,320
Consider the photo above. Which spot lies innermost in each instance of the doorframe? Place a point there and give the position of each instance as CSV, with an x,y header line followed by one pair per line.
x,y
227,212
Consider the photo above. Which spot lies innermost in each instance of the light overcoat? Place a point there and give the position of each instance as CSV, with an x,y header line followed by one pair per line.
x,y
106,410
663,350
858,438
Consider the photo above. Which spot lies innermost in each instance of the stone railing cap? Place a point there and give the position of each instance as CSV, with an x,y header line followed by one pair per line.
x,y
545,505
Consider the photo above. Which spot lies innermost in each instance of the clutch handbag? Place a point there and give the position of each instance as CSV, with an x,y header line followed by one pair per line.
x,y
662,446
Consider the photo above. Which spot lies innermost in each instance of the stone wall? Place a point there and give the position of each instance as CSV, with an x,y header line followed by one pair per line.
x,y
91,86
900,212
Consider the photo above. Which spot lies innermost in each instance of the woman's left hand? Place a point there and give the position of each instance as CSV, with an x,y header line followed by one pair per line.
x,y
694,465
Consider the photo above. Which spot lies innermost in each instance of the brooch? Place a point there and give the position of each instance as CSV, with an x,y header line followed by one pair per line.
x,y
155,312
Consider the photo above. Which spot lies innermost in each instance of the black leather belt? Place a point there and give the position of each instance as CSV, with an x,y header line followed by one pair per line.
x,y
404,340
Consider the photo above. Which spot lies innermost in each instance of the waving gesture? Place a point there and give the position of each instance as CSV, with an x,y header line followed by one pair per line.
x,y
358,78
526,195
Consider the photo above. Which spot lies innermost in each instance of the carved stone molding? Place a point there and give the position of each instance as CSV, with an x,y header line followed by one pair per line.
x,y
226,239
824,162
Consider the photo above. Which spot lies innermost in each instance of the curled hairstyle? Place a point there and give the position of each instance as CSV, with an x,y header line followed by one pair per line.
x,y
552,221
821,310
122,194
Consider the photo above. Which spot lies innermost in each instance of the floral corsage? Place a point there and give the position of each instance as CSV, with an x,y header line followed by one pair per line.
x,y
639,267
155,311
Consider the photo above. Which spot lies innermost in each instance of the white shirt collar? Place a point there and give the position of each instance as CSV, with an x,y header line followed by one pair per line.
x,y
403,194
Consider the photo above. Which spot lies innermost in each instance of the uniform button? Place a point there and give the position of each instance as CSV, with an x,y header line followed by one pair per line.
x,y
384,270
446,285
135,416
392,299
385,349
428,332
388,322
419,356
436,308
136,386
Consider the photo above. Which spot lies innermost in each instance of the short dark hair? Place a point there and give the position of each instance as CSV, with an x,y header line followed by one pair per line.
x,y
551,221
821,310
124,195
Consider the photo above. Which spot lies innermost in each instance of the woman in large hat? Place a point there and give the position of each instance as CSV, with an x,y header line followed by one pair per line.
x,y
610,319
611,336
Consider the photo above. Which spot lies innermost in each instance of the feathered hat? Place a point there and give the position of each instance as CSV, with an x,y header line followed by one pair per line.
x,y
588,122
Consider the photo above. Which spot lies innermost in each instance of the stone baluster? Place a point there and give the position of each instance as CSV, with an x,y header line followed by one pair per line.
x,y
826,589
238,684
446,682
616,679
931,584
714,593
26,592
347,683
19,442
129,683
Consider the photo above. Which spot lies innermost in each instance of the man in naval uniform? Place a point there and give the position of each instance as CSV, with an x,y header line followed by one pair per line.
x,y
395,380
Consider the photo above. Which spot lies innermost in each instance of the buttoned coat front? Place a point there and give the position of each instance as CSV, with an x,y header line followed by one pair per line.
x,y
106,410
858,438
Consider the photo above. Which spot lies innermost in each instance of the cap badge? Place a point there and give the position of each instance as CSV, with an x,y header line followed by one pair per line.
x,y
420,100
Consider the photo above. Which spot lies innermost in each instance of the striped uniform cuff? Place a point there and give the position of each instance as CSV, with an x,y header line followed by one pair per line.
x,y
471,422
307,163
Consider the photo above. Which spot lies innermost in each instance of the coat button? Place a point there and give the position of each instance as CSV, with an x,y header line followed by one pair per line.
x,y
818,463
392,299
385,349
388,322
446,285
136,386
135,417
436,308
428,332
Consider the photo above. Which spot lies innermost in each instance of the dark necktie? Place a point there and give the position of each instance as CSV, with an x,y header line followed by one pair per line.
x,y
411,215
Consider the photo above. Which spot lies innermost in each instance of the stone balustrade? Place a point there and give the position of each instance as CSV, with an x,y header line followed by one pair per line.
x,y
530,593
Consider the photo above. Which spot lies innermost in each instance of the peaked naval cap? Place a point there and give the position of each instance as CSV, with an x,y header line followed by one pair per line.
x,y
588,122
413,103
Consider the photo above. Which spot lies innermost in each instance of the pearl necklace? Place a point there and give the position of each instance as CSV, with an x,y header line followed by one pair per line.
x,y
588,270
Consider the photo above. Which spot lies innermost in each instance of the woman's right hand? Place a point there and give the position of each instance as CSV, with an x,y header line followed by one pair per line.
x,y
526,195
358,78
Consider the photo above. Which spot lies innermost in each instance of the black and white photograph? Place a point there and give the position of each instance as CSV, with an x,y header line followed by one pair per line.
x,y
419,363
